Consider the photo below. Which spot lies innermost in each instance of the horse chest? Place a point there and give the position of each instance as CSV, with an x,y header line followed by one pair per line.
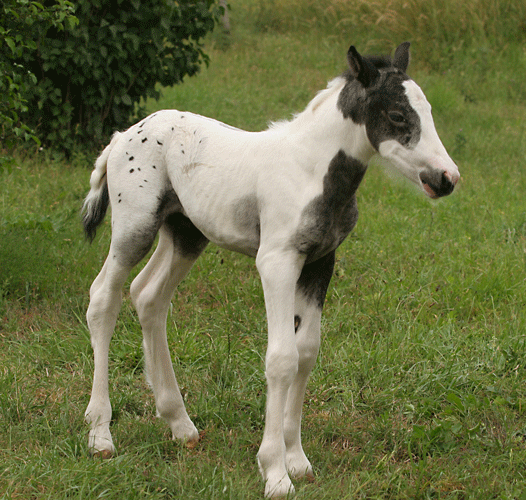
x,y
323,228
331,216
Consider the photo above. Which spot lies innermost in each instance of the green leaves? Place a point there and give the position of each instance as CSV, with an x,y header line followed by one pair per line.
x,y
21,22
92,70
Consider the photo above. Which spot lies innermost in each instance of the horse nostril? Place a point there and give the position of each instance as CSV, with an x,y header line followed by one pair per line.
x,y
450,178
447,185
437,184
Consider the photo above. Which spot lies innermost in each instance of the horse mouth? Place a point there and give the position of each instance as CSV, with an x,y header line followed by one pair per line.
x,y
436,187
429,191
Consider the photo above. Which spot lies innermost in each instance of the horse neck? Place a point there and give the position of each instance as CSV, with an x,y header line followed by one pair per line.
x,y
322,128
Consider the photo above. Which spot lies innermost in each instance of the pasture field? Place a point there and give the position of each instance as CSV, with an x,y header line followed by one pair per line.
x,y
419,391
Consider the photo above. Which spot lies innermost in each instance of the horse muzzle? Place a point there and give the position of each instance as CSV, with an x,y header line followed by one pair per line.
x,y
438,184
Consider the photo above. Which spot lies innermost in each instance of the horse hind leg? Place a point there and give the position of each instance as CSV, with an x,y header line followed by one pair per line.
x,y
180,243
105,302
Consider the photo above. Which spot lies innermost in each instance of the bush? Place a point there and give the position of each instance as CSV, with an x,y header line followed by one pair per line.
x,y
19,22
92,77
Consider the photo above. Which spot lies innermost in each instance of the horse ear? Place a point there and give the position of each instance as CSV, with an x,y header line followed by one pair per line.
x,y
402,56
360,68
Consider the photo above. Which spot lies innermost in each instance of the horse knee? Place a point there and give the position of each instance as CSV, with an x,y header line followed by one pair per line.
x,y
281,365
308,352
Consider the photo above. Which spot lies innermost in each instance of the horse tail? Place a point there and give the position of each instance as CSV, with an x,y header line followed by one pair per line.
x,y
97,201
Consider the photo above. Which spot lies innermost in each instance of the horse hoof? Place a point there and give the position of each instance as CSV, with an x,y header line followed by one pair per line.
x,y
192,443
104,454
310,477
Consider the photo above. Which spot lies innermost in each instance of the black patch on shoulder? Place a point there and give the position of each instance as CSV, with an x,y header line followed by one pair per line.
x,y
186,237
331,216
383,107
315,278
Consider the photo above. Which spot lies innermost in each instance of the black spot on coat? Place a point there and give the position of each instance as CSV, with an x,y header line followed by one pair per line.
x,y
297,323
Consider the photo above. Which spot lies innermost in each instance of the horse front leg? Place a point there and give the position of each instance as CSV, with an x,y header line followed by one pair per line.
x,y
308,343
279,272
310,295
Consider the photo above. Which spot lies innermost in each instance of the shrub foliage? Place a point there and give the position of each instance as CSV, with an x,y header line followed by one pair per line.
x,y
92,76
20,20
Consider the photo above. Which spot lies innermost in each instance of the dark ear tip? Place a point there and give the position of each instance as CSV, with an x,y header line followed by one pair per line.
x,y
403,47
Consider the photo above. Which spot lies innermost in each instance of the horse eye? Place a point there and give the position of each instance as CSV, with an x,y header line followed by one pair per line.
x,y
396,118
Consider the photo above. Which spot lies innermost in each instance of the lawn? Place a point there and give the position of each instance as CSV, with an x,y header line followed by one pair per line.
x,y
419,391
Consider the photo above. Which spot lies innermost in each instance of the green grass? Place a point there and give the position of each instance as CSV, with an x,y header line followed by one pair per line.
x,y
419,388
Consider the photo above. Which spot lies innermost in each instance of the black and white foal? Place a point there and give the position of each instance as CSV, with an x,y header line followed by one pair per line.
x,y
286,196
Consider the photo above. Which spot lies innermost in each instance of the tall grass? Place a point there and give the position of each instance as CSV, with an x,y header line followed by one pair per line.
x,y
439,28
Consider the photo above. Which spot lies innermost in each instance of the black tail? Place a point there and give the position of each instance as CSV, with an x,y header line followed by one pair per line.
x,y
97,201
94,211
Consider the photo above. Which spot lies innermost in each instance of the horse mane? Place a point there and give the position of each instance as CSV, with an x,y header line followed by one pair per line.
x,y
333,86
378,61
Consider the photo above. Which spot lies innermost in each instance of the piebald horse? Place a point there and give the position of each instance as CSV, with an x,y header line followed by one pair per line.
x,y
286,196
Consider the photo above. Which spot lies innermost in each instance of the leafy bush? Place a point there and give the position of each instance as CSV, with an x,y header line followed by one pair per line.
x,y
19,22
92,77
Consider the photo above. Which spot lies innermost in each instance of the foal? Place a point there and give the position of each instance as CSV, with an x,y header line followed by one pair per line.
x,y
286,196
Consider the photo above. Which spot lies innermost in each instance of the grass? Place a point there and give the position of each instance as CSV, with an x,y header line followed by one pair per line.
x,y
419,387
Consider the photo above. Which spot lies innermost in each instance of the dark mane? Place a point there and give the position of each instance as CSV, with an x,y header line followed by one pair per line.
x,y
380,61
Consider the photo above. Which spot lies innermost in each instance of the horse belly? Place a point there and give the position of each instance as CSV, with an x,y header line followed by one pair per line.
x,y
223,206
